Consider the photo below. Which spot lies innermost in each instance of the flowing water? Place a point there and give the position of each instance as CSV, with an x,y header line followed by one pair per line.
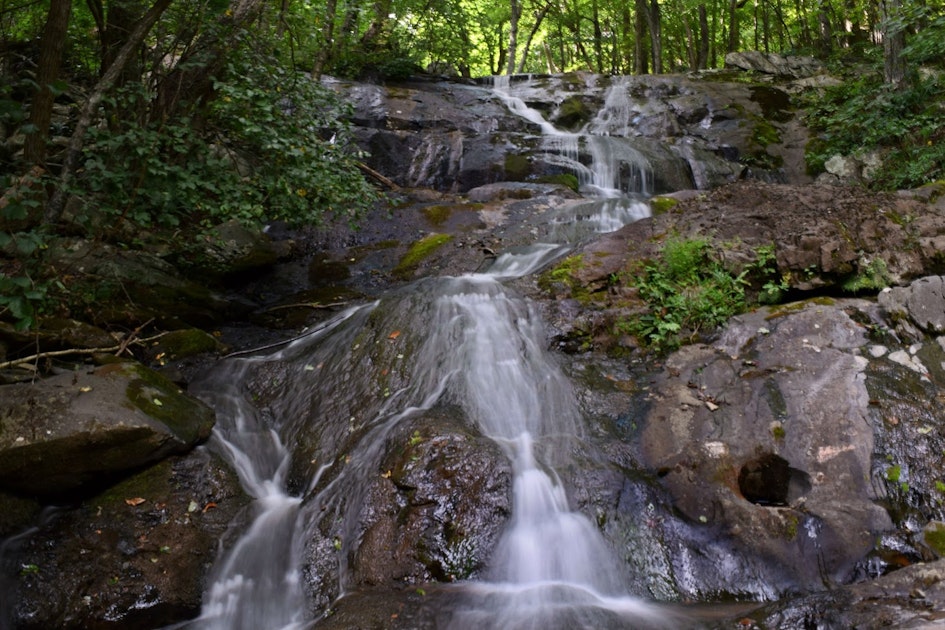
x,y
474,344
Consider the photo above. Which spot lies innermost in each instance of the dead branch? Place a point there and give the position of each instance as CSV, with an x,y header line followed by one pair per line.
x,y
79,351
378,177
314,305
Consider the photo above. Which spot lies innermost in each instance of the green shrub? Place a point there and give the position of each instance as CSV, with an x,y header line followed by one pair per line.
x,y
270,145
863,114
687,292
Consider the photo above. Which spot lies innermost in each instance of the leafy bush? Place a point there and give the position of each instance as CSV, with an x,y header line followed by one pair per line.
x,y
271,145
21,296
688,292
864,114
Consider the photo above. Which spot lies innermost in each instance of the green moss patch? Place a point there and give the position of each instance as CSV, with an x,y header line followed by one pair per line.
x,y
420,251
517,167
563,179
157,396
662,205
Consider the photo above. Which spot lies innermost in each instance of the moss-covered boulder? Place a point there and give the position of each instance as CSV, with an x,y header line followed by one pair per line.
x,y
72,432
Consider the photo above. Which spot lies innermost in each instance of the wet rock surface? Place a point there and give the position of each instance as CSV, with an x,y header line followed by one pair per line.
x,y
80,431
433,511
133,556
695,132
766,433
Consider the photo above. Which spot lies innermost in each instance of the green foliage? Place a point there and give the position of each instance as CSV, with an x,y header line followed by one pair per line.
x,y
872,275
21,296
291,132
904,124
687,292
270,146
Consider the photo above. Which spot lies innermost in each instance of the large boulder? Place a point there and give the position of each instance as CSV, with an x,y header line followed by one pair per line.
x,y
84,429
132,287
920,304
135,556
774,64
433,512
765,435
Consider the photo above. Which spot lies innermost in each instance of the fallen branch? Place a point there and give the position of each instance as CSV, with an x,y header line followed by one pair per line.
x,y
314,305
378,177
121,347
130,337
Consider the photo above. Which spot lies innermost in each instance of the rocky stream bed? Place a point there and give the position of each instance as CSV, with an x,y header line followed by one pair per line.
x,y
787,470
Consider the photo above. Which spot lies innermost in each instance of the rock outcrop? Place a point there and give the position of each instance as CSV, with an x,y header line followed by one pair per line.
x,y
765,434
693,133
81,431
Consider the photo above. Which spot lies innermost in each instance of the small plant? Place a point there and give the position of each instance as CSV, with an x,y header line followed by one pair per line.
x,y
873,275
686,292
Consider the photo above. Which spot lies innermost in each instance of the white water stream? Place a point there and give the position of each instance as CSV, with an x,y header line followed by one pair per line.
x,y
481,348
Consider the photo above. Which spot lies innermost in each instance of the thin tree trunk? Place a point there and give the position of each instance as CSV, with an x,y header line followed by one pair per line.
x,y
894,41
703,59
640,50
732,26
598,37
628,38
513,34
87,115
323,54
50,58
656,36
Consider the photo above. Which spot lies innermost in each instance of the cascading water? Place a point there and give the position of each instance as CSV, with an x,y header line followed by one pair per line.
x,y
475,345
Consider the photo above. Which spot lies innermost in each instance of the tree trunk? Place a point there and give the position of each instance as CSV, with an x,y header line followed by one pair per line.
x,y
640,49
626,21
323,54
703,59
50,58
598,37
732,26
372,38
513,34
894,41
87,115
656,36
825,32
191,80
531,35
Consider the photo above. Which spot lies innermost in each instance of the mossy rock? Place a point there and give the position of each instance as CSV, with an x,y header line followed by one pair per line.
x,y
561,179
418,252
180,344
573,113
662,205
74,432
517,167
934,536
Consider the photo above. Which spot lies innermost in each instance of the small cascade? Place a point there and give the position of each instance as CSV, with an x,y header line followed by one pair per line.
x,y
615,168
479,347
476,346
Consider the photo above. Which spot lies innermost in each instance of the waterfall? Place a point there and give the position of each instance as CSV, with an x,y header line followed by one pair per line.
x,y
476,345
617,177
616,167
